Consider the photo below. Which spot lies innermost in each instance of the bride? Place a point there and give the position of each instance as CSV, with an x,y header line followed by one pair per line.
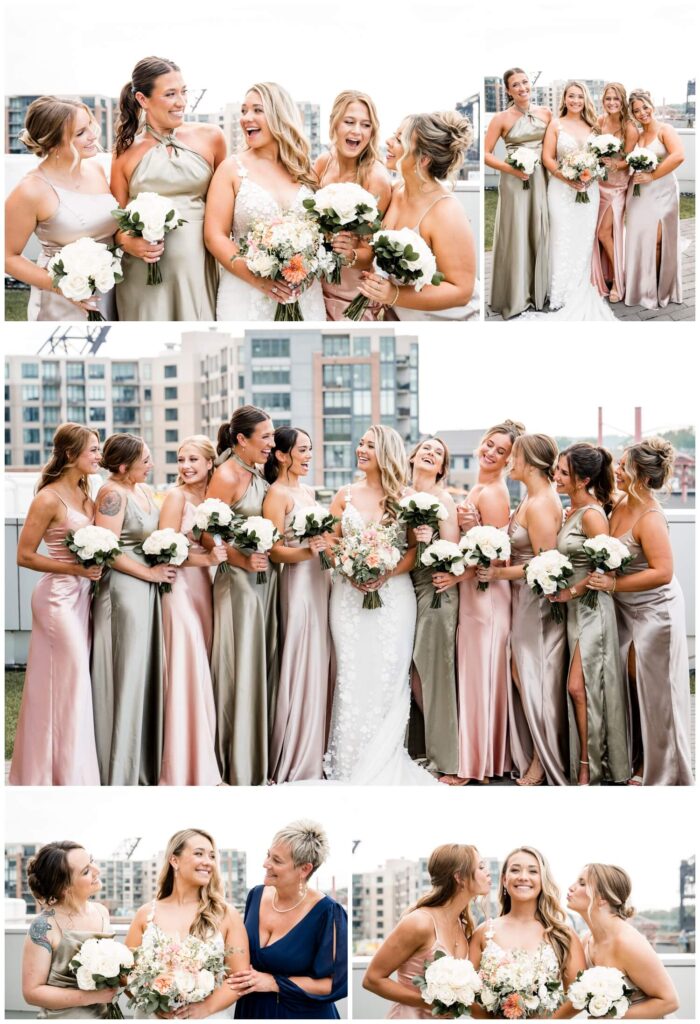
x,y
273,175
373,648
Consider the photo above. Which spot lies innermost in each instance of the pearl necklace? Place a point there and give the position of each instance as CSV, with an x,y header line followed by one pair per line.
x,y
293,907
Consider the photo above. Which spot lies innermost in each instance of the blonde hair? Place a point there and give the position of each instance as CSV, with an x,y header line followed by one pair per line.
x,y
512,429
649,465
48,121
393,468
539,450
69,442
641,96
370,154
307,841
212,905
588,114
443,137
549,911
446,862
625,116
284,121
205,448
442,475
612,884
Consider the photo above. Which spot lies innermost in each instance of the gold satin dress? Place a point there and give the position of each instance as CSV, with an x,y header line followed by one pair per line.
x,y
61,976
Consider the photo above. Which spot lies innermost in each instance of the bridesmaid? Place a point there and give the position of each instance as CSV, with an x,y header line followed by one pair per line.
x,y
440,921
608,266
433,724
427,151
151,157
537,700
55,742
651,620
63,199
598,696
297,741
127,648
353,157
189,724
600,895
63,879
520,272
653,236
244,659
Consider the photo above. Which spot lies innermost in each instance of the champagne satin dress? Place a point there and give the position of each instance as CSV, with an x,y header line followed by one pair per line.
x,y
408,970
189,725
244,658
297,742
520,271
613,196
537,709
654,622
657,205
55,741
594,631
190,275
128,664
61,976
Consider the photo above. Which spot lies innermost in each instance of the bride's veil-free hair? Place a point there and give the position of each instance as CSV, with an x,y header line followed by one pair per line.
x,y
588,113
212,905
549,911
393,468
285,124
450,865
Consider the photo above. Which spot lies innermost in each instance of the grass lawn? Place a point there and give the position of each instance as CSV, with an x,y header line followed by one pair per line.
x,y
16,302
14,681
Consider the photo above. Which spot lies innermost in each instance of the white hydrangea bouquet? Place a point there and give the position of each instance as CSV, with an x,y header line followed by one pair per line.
x,y
93,545
525,160
313,522
288,248
98,964
522,985
600,992
164,547
581,165
83,268
343,206
484,544
421,509
443,556
403,257
366,555
217,518
547,574
253,534
150,216
606,554
168,975
641,159
449,985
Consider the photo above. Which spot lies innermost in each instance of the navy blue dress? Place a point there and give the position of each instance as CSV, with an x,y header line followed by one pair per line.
x,y
304,952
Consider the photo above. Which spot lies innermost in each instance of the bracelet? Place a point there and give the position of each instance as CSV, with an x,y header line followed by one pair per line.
x,y
614,584
573,591
353,261
393,301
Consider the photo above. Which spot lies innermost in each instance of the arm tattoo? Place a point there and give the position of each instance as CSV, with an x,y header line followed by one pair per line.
x,y
111,504
38,929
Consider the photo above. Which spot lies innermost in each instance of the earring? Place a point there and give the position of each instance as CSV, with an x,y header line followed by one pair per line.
x,y
303,888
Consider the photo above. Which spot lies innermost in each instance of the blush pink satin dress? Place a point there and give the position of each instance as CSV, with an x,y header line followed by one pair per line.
x,y
409,969
55,741
613,196
189,727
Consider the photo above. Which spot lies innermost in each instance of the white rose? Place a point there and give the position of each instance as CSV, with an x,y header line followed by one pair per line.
x,y
205,983
598,1005
75,286
488,997
153,230
83,256
184,982
262,264
104,279
621,1006
86,982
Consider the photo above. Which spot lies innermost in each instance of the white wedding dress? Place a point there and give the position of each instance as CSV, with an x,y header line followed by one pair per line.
x,y
371,701
238,300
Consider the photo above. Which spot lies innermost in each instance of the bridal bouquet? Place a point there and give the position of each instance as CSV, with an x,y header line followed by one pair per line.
x,y
93,545
313,522
523,159
605,553
217,518
601,992
169,974
288,248
421,509
98,964
149,216
548,573
482,545
450,985
402,256
253,534
366,556
82,268
605,145
522,985
641,159
581,165
343,206
164,547
443,556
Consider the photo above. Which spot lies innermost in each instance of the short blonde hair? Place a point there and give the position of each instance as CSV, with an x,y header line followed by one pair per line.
x,y
649,465
442,137
307,842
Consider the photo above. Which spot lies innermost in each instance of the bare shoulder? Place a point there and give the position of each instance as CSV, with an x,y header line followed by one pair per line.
x,y
418,923
479,934
32,188
379,177
110,499
46,501
233,917
175,498
544,114
321,163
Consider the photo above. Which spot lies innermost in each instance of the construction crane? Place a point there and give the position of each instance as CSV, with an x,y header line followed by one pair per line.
x,y
198,100
126,848
75,340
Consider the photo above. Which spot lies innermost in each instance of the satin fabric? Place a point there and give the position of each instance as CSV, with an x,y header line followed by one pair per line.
x,y
408,970
613,196
433,730
657,204
189,725
60,976
654,621
520,272
127,665
298,736
244,661
635,996
190,273
537,709
337,297
594,631
55,741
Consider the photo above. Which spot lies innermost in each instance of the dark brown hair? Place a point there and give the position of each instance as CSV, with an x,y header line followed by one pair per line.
x,y
507,75
244,421
48,872
69,442
445,463
143,78
587,461
121,450
285,439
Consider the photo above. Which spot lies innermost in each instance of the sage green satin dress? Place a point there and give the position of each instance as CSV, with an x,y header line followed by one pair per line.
x,y
594,631
128,664
520,271
190,274
244,659
60,976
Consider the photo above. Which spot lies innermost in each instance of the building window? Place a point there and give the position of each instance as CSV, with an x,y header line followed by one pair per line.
x,y
270,375
337,428
273,400
52,415
8,436
270,348
171,394
30,393
98,414
170,370
387,403
30,371
75,392
96,392
125,416
171,458
125,393
362,403
48,436
387,349
49,371
32,458
124,371
50,394
147,434
170,415
337,456
76,413
336,344
172,436
96,371
8,456
362,376
170,478
387,376
147,394
339,376
30,414
75,371
361,347
337,401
